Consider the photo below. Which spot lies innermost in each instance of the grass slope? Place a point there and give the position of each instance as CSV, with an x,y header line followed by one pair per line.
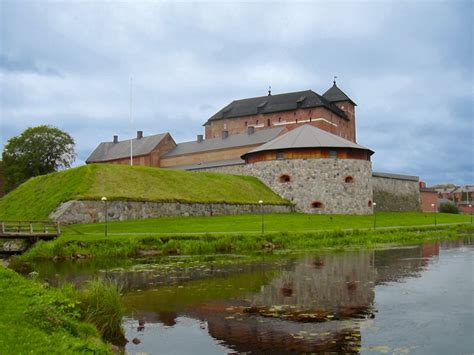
x,y
39,196
42,320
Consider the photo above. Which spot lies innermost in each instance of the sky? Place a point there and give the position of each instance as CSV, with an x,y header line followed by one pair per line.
x,y
407,64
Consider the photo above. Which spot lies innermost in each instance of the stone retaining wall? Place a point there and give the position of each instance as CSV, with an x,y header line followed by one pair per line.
x,y
94,211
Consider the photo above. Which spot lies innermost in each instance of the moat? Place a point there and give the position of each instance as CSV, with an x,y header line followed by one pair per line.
x,y
411,299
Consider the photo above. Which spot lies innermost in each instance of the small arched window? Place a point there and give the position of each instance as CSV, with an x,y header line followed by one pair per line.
x,y
256,123
317,204
369,204
284,178
246,124
268,123
349,179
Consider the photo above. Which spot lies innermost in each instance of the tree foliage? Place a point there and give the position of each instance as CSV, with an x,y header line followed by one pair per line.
x,y
37,151
448,207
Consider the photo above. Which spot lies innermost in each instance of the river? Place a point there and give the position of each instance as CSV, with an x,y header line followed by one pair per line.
x,y
411,299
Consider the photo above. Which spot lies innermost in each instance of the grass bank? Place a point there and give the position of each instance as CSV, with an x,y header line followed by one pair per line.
x,y
42,320
39,196
95,246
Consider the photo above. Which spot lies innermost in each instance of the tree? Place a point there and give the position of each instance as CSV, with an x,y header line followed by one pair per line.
x,y
37,151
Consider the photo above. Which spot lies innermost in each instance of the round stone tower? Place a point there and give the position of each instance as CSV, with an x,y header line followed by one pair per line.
x,y
316,170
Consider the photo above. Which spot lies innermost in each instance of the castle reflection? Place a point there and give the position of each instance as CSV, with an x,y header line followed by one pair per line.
x,y
306,304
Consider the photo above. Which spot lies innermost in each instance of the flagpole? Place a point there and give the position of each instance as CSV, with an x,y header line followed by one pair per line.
x,y
131,124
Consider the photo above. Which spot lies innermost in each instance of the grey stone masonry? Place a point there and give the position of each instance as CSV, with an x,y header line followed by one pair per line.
x,y
396,194
316,185
94,211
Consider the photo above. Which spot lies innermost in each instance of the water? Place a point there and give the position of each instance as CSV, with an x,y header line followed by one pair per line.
x,y
415,300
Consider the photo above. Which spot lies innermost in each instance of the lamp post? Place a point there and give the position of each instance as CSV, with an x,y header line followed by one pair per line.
x,y
470,211
434,210
261,212
375,215
104,200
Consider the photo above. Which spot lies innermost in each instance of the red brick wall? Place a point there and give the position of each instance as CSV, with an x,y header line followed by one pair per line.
x,y
427,198
330,122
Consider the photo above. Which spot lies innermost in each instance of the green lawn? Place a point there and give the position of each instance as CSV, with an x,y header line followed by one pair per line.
x,y
294,222
35,319
39,196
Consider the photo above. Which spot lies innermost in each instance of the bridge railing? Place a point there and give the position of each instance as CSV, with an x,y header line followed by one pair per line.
x,y
29,228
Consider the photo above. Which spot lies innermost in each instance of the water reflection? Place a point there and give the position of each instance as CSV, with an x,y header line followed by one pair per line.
x,y
312,303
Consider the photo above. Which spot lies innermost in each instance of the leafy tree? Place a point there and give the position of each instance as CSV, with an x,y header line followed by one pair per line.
x,y
37,151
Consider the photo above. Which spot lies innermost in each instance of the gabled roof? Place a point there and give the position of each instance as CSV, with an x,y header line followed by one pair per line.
x,y
275,103
107,151
307,136
233,140
334,94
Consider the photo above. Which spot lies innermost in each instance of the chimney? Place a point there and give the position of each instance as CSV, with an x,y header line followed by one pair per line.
x,y
115,139
250,129
199,138
225,134
139,134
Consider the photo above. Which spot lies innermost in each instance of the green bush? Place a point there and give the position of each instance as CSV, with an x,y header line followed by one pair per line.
x,y
448,207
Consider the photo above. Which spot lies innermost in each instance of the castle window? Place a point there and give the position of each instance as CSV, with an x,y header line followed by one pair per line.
x,y
317,204
284,178
279,119
256,123
280,156
268,123
349,180
369,204
246,124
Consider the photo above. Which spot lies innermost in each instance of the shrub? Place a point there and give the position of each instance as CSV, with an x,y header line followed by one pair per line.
x,y
448,207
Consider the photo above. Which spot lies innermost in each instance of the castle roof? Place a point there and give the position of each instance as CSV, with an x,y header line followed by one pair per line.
x,y
334,94
307,136
231,141
276,103
107,151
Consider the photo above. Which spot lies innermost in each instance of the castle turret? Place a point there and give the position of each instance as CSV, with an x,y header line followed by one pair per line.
x,y
339,98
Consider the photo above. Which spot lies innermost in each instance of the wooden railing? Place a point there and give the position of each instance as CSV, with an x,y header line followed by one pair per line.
x,y
29,229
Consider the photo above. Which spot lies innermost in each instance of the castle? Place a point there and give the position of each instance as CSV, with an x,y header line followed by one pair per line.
x,y
301,144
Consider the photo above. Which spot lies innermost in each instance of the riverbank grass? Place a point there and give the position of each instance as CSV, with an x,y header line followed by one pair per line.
x,y
43,320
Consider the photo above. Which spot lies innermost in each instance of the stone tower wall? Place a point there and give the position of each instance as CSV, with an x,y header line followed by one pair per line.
x,y
315,180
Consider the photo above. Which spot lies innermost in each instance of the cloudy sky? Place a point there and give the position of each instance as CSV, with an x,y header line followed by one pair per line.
x,y
408,65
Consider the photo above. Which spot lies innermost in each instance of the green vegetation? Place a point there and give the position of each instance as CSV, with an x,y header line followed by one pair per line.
x,y
448,207
48,320
291,222
39,196
101,305
92,246
36,151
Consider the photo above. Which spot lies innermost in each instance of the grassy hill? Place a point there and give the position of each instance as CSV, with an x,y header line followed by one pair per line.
x,y
39,196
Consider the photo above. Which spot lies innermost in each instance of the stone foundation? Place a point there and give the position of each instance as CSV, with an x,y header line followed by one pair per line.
x,y
94,211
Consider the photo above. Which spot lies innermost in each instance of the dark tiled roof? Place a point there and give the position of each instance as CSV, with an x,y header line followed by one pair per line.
x,y
307,136
334,94
110,151
396,176
210,164
276,103
233,140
